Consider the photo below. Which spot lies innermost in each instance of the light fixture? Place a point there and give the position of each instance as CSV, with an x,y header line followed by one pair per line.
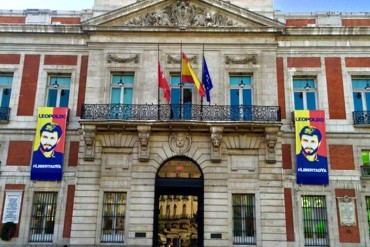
x,y
120,83
241,84
55,84
6,91
307,87
358,95
367,88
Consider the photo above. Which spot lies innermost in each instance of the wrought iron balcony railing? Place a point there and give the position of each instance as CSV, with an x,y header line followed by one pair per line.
x,y
365,171
361,117
246,113
4,114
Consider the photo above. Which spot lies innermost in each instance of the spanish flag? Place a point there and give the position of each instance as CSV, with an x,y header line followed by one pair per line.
x,y
188,75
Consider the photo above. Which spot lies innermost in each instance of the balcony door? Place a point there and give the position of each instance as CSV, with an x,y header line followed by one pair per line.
x,y
241,97
181,99
178,219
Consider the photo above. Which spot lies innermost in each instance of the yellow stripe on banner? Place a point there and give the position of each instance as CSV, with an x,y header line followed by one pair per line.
x,y
298,115
41,122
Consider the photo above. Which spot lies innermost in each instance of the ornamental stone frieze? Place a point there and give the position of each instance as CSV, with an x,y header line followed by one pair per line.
x,y
180,142
124,59
247,59
173,59
216,140
144,135
89,138
182,14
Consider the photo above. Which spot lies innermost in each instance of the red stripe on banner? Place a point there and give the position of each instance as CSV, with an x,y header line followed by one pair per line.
x,y
62,122
320,125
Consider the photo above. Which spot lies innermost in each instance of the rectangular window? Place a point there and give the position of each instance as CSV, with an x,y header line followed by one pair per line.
x,y
240,97
368,211
181,100
58,90
6,81
361,94
315,221
113,222
121,95
244,219
365,158
43,217
304,94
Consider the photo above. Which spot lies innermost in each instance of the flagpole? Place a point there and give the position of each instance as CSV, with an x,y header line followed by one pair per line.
x,y
181,83
159,91
201,97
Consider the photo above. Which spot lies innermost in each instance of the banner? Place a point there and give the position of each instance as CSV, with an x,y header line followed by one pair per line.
x,y
312,163
48,149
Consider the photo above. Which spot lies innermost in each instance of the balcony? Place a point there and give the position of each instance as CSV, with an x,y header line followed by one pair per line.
x,y
4,114
361,117
218,113
365,171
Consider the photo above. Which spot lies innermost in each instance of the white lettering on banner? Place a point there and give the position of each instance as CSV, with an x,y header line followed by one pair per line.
x,y
300,169
46,166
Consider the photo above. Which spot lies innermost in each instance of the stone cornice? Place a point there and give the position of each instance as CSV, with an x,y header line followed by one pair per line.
x,y
327,31
43,29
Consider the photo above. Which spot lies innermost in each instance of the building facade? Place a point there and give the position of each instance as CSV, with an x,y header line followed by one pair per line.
x,y
142,170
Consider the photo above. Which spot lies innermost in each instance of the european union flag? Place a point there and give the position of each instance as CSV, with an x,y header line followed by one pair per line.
x,y
207,81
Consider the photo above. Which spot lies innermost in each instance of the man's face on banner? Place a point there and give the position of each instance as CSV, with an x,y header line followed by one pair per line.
x,y
310,144
48,140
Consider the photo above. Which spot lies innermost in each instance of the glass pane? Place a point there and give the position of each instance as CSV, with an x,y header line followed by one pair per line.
x,y
52,98
365,157
175,80
244,219
127,80
179,168
64,98
247,97
298,101
360,83
175,101
236,80
187,100
367,103
5,99
303,83
357,101
6,80
63,82
178,227
311,100
116,96
127,96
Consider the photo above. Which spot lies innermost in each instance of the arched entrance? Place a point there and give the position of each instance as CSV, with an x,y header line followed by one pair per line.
x,y
178,207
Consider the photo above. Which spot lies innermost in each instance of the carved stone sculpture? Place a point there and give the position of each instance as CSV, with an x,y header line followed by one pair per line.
x,y
144,135
180,142
248,59
89,138
216,139
271,139
130,59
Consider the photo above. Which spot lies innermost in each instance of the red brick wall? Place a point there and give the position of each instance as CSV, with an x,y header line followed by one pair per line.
x,y
82,84
304,62
280,84
362,62
28,85
289,220
73,153
60,60
69,211
347,234
18,187
13,19
341,157
334,79
19,153
299,22
287,156
10,58
66,20
355,22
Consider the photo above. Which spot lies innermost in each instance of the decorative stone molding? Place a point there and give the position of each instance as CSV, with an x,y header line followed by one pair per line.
x,y
271,139
129,59
171,59
347,211
89,138
216,139
182,14
180,142
144,135
248,59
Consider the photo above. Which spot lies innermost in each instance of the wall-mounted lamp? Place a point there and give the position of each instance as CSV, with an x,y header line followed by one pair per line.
x,y
367,88
307,87
241,84
55,84
120,83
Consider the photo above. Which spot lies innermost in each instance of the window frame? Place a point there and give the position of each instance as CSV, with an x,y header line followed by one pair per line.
x,y
304,92
365,167
315,222
128,82
42,234
54,86
113,237
362,93
5,86
245,237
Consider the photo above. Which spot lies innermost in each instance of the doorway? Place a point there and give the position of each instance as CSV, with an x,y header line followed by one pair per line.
x,y
178,207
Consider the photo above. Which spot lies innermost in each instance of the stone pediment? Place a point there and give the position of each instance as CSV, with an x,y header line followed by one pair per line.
x,y
182,15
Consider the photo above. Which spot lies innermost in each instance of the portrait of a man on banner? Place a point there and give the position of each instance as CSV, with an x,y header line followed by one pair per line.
x,y
311,157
